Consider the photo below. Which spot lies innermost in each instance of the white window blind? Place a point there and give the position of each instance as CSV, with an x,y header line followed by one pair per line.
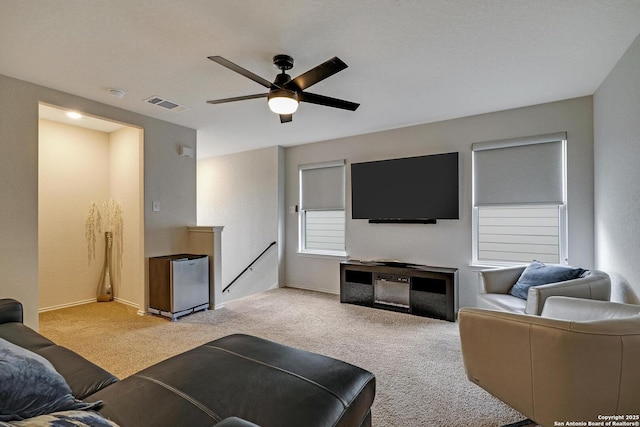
x,y
325,230
519,233
523,170
322,186
322,208
519,191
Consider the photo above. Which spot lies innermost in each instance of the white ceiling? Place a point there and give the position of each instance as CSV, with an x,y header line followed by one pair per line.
x,y
410,61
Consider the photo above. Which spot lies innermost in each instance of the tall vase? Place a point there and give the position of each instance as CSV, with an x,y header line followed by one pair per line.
x,y
105,286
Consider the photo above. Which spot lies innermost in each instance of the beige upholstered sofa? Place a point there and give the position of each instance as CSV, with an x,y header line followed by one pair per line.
x,y
496,283
578,361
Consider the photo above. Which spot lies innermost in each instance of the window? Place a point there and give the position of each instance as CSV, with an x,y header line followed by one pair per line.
x,y
519,200
322,208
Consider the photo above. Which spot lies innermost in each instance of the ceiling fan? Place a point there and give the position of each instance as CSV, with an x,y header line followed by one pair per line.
x,y
285,93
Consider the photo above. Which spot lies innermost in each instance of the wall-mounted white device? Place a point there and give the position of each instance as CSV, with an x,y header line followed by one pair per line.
x,y
186,151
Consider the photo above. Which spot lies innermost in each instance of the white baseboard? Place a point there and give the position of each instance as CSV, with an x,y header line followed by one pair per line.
x,y
309,288
139,312
67,305
89,301
232,297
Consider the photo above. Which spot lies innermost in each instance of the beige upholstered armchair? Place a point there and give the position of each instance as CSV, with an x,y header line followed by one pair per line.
x,y
496,283
575,362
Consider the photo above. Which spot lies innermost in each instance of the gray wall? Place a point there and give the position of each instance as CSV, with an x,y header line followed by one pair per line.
x,y
617,157
447,243
241,192
168,178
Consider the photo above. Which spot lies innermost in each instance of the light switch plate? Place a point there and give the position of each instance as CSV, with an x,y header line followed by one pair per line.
x,y
155,206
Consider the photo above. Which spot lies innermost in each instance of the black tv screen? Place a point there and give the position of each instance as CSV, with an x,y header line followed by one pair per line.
x,y
411,188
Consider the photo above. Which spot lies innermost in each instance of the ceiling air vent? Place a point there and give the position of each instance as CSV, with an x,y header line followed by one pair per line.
x,y
166,104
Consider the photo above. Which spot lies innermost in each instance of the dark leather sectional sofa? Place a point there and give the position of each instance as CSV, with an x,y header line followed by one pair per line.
x,y
237,380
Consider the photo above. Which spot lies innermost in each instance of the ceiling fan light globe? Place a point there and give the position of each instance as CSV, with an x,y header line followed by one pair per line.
x,y
283,102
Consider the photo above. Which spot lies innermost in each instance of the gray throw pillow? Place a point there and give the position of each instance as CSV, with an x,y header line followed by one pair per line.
x,y
537,274
30,385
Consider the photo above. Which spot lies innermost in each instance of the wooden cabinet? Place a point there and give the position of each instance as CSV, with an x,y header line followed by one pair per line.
x,y
410,288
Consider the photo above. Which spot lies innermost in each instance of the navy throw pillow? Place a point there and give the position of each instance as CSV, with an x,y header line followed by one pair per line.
x,y
538,273
30,386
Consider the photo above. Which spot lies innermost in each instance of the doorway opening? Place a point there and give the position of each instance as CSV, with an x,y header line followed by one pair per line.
x,y
84,161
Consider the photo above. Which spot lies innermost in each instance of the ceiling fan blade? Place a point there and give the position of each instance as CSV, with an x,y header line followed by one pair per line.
x,y
238,69
313,98
237,98
317,74
286,118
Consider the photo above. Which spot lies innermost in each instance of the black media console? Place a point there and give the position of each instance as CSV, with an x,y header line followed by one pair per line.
x,y
409,288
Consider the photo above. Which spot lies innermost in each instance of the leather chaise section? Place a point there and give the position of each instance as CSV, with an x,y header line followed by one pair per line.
x,y
260,381
309,367
235,422
138,402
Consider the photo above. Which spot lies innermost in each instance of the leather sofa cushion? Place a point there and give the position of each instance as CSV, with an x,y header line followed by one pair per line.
x,y
10,311
244,376
83,377
25,337
584,310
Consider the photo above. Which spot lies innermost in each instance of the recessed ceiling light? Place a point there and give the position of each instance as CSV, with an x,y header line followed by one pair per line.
x,y
74,115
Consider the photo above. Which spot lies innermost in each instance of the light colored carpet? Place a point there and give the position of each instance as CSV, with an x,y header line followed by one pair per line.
x,y
417,361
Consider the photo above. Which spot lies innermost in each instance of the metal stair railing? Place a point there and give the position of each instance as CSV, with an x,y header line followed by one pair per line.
x,y
248,267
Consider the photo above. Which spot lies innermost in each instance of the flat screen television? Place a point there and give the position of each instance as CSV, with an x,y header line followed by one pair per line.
x,y
407,190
